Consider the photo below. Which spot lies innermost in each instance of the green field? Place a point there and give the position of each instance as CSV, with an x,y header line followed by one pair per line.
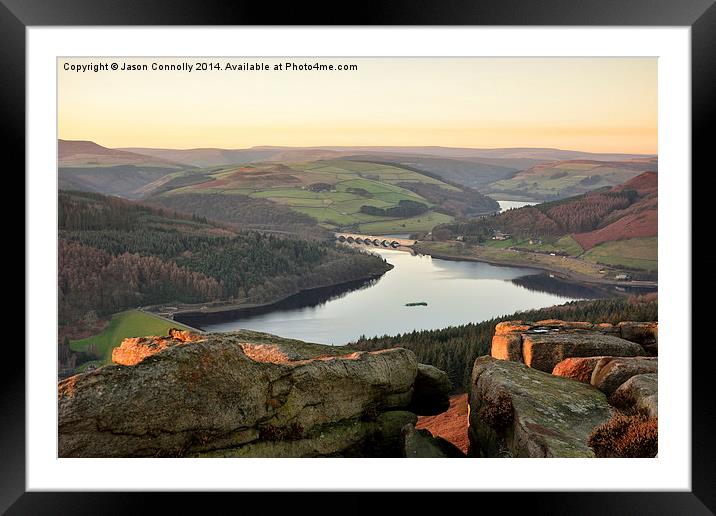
x,y
634,253
131,323
352,185
566,244
425,222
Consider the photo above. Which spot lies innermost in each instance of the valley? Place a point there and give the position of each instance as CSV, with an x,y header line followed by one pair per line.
x,y
244,238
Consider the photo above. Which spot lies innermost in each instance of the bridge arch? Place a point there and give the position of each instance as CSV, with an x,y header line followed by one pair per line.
x,y
378,241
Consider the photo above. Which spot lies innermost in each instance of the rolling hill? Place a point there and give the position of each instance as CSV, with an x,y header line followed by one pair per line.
x,y
82,153
338,194
116,254
518,158
341,187
612,226
86,166
470,172
561,179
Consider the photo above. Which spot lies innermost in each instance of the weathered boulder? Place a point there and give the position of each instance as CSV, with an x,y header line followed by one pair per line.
x,y
431,391
563,325
543,344
644,333
225,391
418,444
545,350
577,368
135,349
377,437
507,340
640,393
507,347
522,412
611,372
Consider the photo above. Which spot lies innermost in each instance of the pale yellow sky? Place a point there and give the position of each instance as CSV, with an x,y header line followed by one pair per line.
x,y
588,104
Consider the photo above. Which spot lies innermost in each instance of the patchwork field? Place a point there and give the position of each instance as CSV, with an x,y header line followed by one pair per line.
x,y
414,224
132,323
634,253
332,192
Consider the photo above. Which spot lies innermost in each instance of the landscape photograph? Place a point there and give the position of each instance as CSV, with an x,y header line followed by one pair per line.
x,y
357,257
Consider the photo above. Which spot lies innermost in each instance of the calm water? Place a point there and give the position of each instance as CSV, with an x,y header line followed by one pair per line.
x,y
456,293
507,205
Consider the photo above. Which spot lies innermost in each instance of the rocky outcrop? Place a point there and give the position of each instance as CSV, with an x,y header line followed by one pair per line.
x,y
451,425
639,394
601,395
243,394
579,369
431,391
135,349
545,350
420,444
507,341
517,411
611,372
644,333
373,437
543,344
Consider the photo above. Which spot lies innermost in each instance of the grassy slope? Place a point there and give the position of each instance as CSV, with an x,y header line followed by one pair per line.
x,y
565,179
423,222
566,244
131,323
338,207
634,253
571,266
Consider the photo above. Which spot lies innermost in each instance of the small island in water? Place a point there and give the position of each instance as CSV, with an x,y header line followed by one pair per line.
x,y
419,303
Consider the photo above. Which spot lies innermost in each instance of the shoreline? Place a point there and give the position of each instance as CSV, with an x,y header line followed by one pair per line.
x,y
560,273
193,315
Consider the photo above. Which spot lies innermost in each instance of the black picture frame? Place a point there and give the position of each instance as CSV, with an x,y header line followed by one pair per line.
x,y
700,15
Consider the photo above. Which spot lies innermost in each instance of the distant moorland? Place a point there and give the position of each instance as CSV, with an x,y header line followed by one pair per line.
x,y
308,190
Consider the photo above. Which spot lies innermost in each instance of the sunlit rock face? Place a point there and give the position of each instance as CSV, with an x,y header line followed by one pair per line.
x,y
543,344
611,372
579,369
549,384
134,350
244,394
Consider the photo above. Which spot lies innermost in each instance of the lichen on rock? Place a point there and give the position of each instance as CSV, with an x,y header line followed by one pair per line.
x,y
241,394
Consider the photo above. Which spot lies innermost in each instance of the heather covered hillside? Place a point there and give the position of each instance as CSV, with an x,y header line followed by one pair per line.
x,y
612,226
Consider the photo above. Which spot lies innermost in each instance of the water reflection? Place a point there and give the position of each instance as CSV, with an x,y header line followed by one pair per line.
x,y
455,293
545,283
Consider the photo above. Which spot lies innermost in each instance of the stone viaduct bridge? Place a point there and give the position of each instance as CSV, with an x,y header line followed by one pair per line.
x,y
376,241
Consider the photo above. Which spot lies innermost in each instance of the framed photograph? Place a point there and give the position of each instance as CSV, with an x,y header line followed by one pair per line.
x,y
272,257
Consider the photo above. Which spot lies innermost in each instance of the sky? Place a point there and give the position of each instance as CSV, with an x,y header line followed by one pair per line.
x,y
586,104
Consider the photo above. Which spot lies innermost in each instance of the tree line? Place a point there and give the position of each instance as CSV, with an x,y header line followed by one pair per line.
x,y
454,349
405,208
115,254
578,214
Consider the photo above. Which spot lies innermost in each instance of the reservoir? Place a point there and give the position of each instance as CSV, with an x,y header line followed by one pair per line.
x,y
455,292
508,205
